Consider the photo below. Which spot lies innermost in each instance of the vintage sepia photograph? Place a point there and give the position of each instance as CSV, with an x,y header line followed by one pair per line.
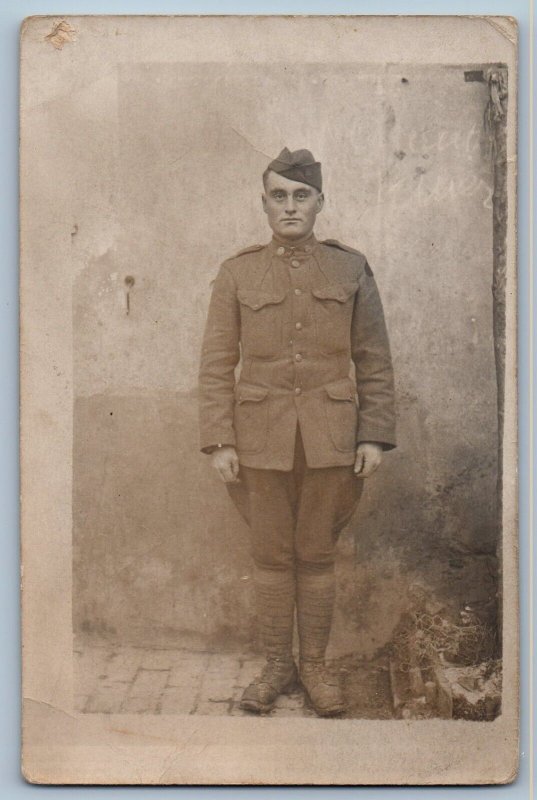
x,y
276,355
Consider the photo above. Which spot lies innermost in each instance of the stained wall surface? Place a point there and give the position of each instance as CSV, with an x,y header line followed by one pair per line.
x,y
171,186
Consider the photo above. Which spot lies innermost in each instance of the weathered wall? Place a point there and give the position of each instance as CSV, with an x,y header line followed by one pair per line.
x,y
173,179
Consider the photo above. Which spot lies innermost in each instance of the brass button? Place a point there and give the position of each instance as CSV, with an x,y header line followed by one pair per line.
x,y
298,357
298,326
298,390
280,251
307,248
298,291
295,263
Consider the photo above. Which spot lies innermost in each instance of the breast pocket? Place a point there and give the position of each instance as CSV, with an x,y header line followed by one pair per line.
x,y
342,414
251,418
261,322
333,306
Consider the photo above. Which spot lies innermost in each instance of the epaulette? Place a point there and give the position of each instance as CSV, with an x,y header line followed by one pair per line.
x,y
347,249
252,249
335,243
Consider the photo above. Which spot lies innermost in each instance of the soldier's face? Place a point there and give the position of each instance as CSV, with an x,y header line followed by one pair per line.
x,y
291,207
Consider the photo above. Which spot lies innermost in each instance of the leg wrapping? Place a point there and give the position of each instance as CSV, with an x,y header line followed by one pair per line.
x,y
315,608
275,605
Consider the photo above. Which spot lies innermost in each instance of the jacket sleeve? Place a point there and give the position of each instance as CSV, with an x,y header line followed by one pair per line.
x,y
373,363
220,355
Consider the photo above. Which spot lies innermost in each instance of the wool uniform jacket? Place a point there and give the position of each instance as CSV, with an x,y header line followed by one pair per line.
x,y
298,319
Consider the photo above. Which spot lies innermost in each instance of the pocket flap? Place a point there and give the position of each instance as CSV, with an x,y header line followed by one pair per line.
x,y
341,390
244,393
336,291
255,299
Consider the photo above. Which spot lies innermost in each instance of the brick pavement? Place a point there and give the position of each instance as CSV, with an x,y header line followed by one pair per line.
x,y
130,680
113,679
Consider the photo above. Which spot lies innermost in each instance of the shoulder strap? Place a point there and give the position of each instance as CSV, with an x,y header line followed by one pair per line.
x,y
335,243
347,249
252,249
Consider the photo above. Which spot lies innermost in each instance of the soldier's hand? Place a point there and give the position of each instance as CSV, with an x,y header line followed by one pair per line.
x,y
226,461
368,458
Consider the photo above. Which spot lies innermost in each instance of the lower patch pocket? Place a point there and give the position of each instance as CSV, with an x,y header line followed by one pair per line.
x,y
342,414
251,418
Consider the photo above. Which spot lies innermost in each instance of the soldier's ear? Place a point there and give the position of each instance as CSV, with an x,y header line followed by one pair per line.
x,y
264,201
320,201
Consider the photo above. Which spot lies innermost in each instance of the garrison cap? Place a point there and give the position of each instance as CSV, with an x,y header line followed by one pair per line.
x,y
299,165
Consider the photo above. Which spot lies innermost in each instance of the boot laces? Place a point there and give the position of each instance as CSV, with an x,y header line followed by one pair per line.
x,y
275,668
318,673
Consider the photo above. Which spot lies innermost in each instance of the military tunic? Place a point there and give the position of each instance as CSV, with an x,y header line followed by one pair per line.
x,y
307,324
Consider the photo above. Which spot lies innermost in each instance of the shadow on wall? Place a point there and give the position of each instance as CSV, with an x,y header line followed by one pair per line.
x,y
161,556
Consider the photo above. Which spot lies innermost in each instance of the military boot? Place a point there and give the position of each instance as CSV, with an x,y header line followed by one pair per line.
x,y
277,677
315,607
322,688
275,603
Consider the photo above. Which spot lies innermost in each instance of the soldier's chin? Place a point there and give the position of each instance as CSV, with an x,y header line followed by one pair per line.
x,y
291,230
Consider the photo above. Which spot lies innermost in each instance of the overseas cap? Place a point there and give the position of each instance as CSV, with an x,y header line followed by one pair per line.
x,y
299,165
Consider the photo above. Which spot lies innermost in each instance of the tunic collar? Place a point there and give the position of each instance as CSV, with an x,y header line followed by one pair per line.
x,y
286,250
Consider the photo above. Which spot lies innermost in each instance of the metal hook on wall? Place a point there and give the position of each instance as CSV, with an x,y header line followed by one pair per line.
x,y
129,283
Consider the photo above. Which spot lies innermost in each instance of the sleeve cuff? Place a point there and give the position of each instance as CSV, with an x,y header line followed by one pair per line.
x,y
383,437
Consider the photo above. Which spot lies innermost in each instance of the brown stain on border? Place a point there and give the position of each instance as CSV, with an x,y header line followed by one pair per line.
x,y
60,34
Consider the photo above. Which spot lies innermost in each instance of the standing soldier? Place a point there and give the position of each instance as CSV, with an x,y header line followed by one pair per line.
x,y
296,429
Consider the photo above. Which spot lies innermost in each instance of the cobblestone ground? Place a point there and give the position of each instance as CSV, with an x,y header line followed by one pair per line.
x,y
131,680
